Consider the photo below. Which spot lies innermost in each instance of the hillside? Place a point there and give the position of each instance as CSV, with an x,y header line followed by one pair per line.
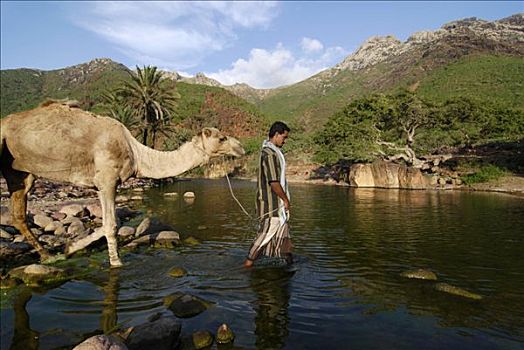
x,y
200,105
25,88
471,58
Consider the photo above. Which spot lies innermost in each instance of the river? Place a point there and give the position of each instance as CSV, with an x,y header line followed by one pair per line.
x,y
344,290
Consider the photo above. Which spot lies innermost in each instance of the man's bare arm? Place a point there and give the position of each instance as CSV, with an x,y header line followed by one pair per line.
x,y
277,188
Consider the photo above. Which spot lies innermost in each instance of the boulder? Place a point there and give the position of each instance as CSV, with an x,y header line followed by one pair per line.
x,y
5,235
11,249
76,228
185,305
189,194
36,275
73,210
41,220
101,342
143,227
224,335
447,288
191,241
53,226
388,175
161,334
166,239
95,210
126,231
51,240
5,216
420,274
58,216
202,339
177,272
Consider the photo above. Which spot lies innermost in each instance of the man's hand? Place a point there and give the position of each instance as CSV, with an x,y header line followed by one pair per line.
x,y
277,188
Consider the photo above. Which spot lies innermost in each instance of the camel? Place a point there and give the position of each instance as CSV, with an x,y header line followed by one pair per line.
x,y
60,142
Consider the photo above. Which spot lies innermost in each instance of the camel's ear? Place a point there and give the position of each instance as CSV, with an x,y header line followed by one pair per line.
x,y
207,132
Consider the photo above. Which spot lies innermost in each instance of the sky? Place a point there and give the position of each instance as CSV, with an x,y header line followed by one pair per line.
x,y
263,44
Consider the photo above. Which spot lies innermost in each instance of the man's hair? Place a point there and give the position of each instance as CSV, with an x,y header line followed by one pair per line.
x,y
279,127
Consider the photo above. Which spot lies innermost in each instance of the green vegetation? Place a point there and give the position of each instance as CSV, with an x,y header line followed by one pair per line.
x,y
486,173
485,78
404,124
146,98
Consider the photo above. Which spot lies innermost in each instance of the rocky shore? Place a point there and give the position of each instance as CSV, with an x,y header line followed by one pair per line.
x,y
60,213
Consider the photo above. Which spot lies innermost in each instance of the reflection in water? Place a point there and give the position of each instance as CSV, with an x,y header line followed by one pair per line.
x,y
109,318
24,338
271,286
347,292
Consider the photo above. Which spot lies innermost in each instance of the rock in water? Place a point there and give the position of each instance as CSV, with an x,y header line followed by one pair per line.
x,y
101,342
444,287
202,339
177,272
224,334
420,274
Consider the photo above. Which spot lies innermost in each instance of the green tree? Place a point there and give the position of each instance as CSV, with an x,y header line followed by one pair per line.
x,y
152,101
114,107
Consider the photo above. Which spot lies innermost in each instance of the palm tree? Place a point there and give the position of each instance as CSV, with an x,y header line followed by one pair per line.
x,y
151,101
115,108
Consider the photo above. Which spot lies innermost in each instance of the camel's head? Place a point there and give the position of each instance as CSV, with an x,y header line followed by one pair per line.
x,y
216,144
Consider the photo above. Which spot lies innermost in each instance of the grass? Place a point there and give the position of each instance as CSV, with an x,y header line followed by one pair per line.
x,y
485,173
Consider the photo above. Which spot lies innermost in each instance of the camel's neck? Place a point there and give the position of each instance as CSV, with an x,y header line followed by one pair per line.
x,y
158,165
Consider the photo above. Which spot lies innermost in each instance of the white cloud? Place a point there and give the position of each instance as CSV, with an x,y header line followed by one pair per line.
x,y
277,67
311,45
173,34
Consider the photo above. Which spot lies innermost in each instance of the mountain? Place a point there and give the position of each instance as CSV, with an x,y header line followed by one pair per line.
x,y
474,58
471,57
26,88
200,104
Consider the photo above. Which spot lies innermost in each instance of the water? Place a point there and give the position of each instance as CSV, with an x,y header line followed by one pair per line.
x,y
343,292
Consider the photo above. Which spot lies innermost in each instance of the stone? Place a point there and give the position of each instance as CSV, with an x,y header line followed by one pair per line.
x,y
167,239
143,227
420,274
10,249
191,241
126,231
121,199
387,175
177,272
101,342
72,210
51,240
447,288
189,195
171,194
5,216
185,305
8,283
36,274
161,334
41,220
76,228
95,210
58,216
5,235
53,226
224,334
202,339
125,212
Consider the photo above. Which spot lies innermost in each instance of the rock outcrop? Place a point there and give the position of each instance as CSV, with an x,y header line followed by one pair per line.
x,y
389,175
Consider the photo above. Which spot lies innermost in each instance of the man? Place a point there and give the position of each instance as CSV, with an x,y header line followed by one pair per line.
x,y
273,237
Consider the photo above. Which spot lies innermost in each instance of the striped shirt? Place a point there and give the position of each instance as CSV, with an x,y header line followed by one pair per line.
x,y
268,171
